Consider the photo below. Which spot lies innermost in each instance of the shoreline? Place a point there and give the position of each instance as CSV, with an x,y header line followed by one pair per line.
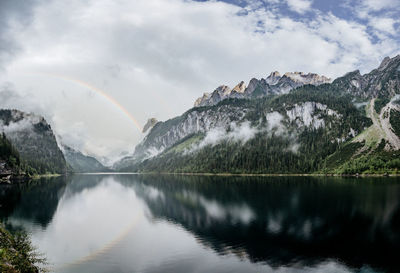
x,y
281,175
26,179
246,174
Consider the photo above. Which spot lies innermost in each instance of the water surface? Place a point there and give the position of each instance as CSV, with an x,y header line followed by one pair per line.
x,y
154,223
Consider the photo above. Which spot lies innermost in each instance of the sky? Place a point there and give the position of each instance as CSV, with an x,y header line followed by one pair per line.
x,y
98,69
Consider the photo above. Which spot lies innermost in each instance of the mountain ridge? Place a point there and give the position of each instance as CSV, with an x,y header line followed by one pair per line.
x,y
81,163
273,84
331,114
34,140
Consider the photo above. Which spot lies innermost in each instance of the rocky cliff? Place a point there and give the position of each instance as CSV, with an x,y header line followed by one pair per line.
x,y
34,140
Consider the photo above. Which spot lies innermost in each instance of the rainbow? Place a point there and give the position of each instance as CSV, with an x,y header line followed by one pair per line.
x,y
99,92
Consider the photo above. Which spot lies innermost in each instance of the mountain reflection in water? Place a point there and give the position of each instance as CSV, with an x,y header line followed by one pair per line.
x,y
155,223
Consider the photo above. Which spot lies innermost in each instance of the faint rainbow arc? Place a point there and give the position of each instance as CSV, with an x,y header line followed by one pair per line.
x,y
99,92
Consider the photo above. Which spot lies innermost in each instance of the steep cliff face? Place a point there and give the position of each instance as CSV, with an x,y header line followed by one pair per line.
x,y
298,129
381,82
33,137
165,134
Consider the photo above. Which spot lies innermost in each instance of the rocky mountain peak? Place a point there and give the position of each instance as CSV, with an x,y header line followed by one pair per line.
x,y
310,78
202,99
383,81
384,63
149,124
240,87
387,62
273,84
223,90
273,78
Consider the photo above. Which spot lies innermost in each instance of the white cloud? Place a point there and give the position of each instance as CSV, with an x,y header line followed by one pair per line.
x,y
376,5
300,6
13,127
383,24
156,56
237,133
274,121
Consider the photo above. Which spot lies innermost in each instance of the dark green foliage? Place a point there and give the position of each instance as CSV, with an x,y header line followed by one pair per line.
x,y
41,153
379,163
17,254
395,121
8,153
262,154
380,103
342,155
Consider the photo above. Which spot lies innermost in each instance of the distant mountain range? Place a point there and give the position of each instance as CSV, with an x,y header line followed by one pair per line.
x,y
273,84
81,163
295,123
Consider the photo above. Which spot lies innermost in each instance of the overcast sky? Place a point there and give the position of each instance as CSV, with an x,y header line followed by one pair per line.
x,y
92,67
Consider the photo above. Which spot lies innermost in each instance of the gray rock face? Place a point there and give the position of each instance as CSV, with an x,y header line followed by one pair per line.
x,y
149,124
273,78
383,81
166,134
273,84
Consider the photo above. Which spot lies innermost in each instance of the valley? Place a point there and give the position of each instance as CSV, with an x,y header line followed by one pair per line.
x,y
292,124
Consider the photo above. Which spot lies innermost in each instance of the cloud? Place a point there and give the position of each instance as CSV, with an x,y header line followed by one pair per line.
x,y
147,53
243,132
300,6
384,24
377,5
274,121
381,16
239,133
22,125
10,98
14,15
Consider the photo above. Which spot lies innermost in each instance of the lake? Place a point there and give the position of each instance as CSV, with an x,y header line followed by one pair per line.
x,y
155,223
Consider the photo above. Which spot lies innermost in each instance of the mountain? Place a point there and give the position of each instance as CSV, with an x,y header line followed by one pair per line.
x,y
351,125
149,124
34,141
81,163
273,84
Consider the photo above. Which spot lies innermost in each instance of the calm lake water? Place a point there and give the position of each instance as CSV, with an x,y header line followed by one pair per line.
x,y
153,223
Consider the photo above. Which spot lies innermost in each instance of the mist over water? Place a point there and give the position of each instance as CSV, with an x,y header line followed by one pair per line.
x,y
153,223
